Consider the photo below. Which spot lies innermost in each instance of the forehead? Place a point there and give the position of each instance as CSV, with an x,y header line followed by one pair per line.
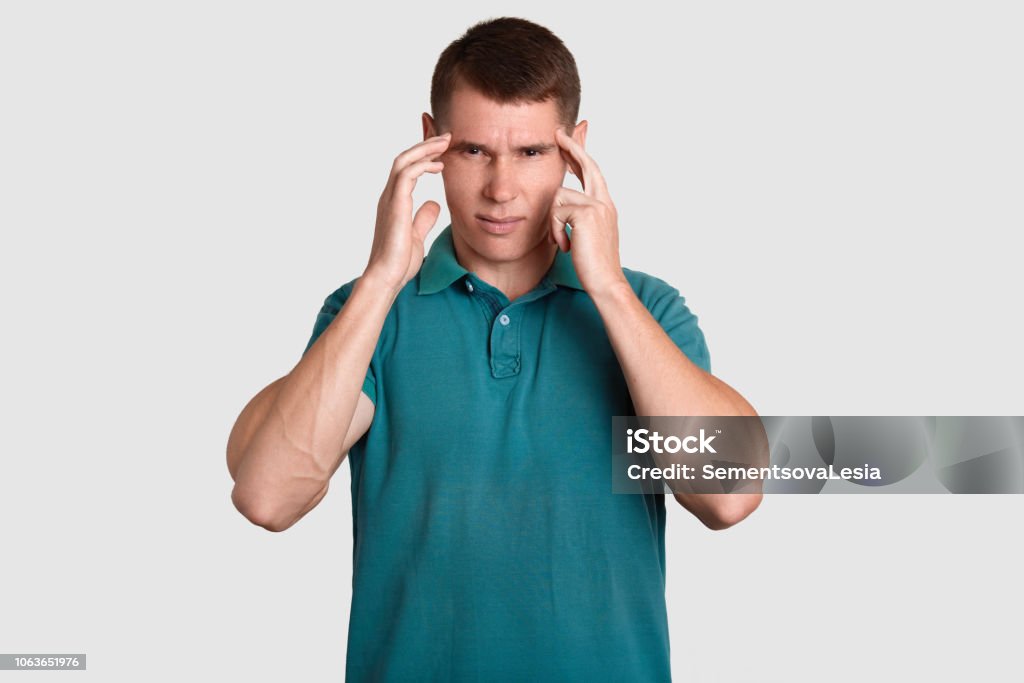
x,y
474,115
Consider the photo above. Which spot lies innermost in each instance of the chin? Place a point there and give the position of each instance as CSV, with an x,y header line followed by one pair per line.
x,y
508,247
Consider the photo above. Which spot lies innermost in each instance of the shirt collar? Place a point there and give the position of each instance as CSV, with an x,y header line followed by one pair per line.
x,y
440,268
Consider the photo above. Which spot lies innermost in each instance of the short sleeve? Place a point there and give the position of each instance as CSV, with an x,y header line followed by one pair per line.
x,y
669,308
332,306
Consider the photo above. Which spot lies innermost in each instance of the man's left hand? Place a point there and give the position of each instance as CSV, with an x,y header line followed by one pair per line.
x,y
594,220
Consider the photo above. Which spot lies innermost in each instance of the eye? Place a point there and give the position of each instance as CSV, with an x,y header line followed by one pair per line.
x,y
470,150
532,153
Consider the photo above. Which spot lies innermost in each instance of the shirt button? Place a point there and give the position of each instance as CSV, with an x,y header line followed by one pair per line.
x,y
503,319
469,285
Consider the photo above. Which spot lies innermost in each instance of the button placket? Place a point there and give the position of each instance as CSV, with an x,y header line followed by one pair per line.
x,y
506,324
505,343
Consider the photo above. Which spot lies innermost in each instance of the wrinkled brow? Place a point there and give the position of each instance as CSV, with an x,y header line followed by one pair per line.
x,y
466,144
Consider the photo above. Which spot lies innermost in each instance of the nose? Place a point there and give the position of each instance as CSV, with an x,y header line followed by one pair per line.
x,y
501,185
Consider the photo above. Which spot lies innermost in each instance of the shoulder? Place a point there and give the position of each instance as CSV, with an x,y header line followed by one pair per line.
x,y
336,299
649,288
664,301
670,309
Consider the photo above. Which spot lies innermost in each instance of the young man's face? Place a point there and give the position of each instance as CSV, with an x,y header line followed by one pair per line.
x,y
502,163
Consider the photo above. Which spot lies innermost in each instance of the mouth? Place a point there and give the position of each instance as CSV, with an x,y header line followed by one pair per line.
x,y
499,225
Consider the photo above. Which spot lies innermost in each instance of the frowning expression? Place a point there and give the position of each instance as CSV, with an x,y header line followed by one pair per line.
x,y
501,172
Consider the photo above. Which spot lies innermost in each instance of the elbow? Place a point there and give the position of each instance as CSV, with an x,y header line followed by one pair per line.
x,y
258,510
731,510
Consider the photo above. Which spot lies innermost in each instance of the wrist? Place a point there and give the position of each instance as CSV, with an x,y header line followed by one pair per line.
x,y
374,281
614,290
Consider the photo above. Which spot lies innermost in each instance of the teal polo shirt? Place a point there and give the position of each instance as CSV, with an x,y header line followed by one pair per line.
x,y
488,545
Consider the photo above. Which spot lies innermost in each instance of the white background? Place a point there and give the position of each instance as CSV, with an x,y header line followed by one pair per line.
x,y
835,188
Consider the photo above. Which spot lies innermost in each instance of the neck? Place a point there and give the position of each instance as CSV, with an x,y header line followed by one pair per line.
x,y
511,278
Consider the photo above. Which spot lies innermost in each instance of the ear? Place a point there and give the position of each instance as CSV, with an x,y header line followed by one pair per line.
x,y
429,129
579,133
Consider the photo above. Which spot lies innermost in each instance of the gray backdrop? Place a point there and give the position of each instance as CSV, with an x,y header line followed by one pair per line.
x,y
835,188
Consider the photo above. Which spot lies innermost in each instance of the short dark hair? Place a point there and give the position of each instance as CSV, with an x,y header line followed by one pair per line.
x,y
509,60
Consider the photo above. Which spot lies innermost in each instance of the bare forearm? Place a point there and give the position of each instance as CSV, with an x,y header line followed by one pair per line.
x,y
296,440
663,381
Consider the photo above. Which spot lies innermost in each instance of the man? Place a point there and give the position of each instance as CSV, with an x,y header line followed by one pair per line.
x,y
474,391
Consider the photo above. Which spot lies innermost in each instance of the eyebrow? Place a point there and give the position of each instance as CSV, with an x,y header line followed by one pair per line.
x,y
539,147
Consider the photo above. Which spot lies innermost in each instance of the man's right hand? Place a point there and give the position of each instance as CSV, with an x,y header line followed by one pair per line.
x,y
397,251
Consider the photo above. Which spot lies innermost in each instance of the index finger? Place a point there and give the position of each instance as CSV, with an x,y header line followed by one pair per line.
x,y
592,180
421,149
